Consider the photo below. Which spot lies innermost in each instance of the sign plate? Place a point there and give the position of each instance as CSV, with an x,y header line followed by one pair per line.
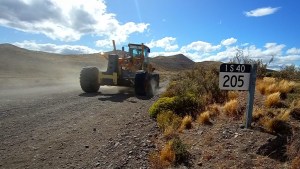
x,y
234,76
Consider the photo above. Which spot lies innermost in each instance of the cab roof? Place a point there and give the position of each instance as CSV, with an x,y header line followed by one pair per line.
x,y
132,44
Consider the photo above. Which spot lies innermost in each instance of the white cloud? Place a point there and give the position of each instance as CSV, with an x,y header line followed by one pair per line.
x,y
273,49
261,12
52,48
66,20
167,43
229,41
200,46
293,51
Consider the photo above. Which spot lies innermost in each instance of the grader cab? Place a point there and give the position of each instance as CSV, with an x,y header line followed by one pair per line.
x,y
131,69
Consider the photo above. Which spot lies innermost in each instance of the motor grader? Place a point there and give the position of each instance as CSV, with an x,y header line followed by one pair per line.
x,y
130,69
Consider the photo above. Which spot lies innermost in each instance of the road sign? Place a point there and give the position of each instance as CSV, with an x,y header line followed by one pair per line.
x,y
234,76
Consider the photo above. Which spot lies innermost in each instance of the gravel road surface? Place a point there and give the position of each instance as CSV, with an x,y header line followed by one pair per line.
x,y
59,126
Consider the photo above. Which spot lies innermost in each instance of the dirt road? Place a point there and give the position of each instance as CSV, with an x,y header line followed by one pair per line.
x,y
58,126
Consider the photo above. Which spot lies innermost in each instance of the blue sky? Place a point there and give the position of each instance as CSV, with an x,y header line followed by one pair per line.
x,y
200,29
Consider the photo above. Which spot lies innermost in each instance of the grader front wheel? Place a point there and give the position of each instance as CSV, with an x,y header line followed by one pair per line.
x,y
89,79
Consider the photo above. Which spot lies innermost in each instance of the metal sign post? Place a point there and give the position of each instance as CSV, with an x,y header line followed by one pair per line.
x,y
251,92
240,77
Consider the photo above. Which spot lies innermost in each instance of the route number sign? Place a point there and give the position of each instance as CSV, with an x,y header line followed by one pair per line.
x,y
234,76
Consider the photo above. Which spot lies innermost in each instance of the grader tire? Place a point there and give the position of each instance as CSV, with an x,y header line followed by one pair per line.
x,y
89,79
140,83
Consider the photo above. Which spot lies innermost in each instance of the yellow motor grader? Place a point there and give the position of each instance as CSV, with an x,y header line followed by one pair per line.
x,y
131,68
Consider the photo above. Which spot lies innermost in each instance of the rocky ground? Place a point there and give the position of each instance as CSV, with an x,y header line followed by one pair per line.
x,y
62,127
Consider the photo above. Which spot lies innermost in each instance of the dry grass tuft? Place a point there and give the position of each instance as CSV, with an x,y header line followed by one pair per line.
x,y
168,118
270,85
203,118
170,132
169,123
155,162
277,124
284,115
214,110
269,80
266,85
286,86
295,104
258,113
231,108
167,155
272,88
296,163
186,123
233,95
261,87
273,100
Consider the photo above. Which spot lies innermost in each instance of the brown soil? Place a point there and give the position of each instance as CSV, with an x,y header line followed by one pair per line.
x,y
226,143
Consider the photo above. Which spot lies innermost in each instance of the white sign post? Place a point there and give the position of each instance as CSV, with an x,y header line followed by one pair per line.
x,y
239,77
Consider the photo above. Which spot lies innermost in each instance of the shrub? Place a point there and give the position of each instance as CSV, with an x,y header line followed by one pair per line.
x,y
231,108
186,122
174,152
162,104
272,100
187,104
180,149
288,72
203,118
168,120
170,132
199,84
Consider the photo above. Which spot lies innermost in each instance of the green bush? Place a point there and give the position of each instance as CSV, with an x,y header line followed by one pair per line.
x,y
180,149
162,104
187,104
190,91
168,119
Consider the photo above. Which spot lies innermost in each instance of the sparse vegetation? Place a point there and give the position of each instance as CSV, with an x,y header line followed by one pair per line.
x,y
272,100
258,113
168,122
167,154
278,101
231,108
232,95
186,123
204,118
174,152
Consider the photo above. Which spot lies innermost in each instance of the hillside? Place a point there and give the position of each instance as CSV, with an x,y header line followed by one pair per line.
x,y
172,63
15,60
22,67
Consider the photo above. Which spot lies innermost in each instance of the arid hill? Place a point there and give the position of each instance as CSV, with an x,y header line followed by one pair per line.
x,y
172,63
